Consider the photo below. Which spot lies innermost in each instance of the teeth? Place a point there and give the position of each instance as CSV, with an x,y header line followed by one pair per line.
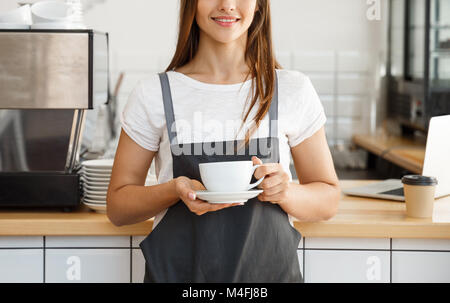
x,y
226,20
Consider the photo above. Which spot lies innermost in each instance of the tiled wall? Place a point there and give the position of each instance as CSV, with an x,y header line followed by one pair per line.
x,y
344,81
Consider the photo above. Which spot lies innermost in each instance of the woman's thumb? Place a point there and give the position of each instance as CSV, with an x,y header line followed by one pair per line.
x,y
186,191
191,195
256,160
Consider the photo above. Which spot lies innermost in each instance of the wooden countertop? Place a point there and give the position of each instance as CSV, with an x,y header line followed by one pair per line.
x,y
404,152
357,217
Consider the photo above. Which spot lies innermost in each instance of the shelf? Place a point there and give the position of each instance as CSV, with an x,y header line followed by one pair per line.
x,y
440,52
438,27
441,85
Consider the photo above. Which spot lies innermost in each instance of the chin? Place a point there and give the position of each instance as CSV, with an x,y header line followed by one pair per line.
x,y
225,41
224,38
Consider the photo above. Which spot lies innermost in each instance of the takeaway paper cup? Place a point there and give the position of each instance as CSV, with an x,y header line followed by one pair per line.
x,y
419,195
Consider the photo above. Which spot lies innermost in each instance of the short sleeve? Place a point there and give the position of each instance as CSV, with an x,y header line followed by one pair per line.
x,y
307,115
137,121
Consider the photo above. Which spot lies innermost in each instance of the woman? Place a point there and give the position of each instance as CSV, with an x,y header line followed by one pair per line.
x,y
223,70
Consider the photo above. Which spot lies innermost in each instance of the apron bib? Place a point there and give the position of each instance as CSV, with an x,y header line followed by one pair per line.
x,y
250,243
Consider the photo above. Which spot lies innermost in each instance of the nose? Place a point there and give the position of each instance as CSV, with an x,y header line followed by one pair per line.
x,y
227,6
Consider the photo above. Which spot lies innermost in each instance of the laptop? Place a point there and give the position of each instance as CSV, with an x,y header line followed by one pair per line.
x,y
436,164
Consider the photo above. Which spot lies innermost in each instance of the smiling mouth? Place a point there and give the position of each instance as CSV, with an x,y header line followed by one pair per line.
x,y
226,19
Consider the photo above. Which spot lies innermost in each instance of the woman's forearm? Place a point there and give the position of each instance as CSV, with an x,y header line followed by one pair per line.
x,y
313,201
132,204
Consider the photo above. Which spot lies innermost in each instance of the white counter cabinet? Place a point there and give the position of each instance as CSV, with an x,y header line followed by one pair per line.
x,y
138,261
420,267
87,259
21,260
72,259
347,260
87,265
346,266
417,261
21,265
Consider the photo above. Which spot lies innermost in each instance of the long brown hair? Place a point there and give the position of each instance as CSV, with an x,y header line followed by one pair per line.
x,y
259,54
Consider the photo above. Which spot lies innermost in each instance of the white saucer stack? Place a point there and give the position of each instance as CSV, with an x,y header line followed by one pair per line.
x,y
95,176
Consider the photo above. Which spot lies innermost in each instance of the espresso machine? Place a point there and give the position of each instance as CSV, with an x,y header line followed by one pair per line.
x,y
52,85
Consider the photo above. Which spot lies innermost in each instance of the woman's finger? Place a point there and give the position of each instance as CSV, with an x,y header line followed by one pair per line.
x,y
266,169
274,198
271,181
256,160
199,206
185,191
196,205
203,206
274,190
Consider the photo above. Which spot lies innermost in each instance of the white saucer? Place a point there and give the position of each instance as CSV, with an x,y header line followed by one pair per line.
x,y
95,192
89,179
227,197
96,175
99,164
95,197
106,171
96,184
94,200
98,208
88,187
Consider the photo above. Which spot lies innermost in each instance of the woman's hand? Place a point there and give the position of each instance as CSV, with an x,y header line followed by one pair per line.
x,y
276,183
186,188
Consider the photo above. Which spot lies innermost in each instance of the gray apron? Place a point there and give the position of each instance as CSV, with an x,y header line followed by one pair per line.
x,y
250,243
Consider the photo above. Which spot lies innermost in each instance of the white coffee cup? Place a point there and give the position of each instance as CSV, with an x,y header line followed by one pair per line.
x,y
20,15
51,11
228,176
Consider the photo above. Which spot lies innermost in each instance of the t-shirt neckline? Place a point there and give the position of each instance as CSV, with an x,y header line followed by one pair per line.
x,y
208,86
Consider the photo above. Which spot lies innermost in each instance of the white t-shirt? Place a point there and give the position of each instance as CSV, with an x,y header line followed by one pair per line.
x,y
214,112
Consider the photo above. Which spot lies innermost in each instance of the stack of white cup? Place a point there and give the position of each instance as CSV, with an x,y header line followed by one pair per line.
x,y
19,18
43,15
53,15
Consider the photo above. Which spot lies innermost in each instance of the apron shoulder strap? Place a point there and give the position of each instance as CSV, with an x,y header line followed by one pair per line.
x,y
273,111
168,108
